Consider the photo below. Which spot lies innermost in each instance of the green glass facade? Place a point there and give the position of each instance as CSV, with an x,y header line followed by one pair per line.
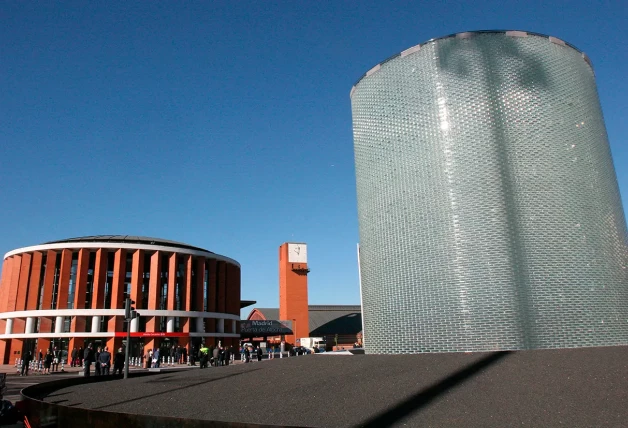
x,y
489,212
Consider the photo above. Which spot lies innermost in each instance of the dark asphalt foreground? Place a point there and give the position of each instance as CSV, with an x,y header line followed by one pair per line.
x,y
570,387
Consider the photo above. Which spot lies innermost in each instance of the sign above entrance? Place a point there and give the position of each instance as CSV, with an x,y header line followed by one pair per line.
x,y
153,334
265,327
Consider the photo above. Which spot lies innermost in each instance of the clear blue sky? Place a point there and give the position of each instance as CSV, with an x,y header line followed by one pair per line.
x,y
227,125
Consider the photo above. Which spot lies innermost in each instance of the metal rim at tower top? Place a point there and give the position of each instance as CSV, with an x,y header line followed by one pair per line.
x,y
468,34
489,212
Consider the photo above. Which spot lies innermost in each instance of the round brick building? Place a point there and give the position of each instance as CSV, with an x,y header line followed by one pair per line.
x,y
71,292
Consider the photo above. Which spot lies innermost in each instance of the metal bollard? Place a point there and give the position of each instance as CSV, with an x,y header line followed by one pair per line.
x,y
163,361
63,365
189,364
19,365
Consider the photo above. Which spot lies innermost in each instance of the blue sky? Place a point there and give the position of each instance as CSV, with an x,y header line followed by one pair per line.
x,y
227,125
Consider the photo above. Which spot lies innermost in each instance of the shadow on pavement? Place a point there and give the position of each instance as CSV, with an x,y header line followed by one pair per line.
x,y
431,393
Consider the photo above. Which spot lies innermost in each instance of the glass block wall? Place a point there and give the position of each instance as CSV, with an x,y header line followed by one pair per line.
x,y
489,212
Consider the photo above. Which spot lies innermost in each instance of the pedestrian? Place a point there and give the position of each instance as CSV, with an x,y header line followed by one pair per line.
x,y
215,353
56,356
105,361
259,353
203,355
97,361
47,362
88,358
81,353
26,362
73,362
247,354
118,362
156,358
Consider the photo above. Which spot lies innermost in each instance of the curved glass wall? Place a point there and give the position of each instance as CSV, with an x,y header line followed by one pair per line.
x,y
489,212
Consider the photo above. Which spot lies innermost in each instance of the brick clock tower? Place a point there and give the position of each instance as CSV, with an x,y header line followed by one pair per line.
x,y
293,303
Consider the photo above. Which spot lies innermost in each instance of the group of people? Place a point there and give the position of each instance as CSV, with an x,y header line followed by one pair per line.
x,y
249,352
46,362
178,355
101,357
215,356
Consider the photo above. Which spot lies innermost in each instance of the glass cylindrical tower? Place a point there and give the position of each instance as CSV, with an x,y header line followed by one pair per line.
x,y
489,212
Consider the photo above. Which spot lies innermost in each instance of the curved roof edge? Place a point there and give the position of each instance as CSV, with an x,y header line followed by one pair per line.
x,y
468,34
165,246
130,239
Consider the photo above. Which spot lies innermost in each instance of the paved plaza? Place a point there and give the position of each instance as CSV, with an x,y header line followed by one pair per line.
x,y
571,387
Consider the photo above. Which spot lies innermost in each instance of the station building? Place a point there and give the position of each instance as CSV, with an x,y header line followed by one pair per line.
x,y
71,292
340,325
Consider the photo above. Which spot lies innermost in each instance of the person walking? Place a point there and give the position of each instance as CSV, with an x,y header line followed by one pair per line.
x,y
26,361
118,362
73,362
88,358
203,356
56,357
259,353
156,358
105,361
97,361
47,362
79,356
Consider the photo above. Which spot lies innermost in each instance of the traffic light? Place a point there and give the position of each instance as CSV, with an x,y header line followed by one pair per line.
x,y
129,311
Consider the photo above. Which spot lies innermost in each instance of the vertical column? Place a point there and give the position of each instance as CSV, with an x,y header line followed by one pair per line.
x,y
30,325
33,292
170,325
95,324
187,292
16,344
100,277
59,325
78,322
4,291
64,279
35,279
9,327
222,287
200,325
137,277
22,292
172,280
237,296
211,294
117,297
200,277
153,296
14,283
233,289
45,324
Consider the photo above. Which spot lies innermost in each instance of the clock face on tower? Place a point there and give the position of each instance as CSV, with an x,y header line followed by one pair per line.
x,y
297,253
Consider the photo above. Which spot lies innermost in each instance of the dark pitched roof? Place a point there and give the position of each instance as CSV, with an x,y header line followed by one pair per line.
x,y
269,313
335,320
326,319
